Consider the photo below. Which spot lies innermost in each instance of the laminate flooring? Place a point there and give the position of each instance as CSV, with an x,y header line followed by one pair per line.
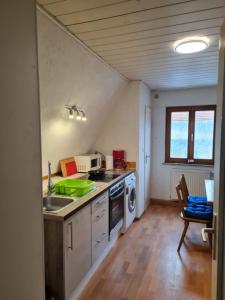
x,y
144,263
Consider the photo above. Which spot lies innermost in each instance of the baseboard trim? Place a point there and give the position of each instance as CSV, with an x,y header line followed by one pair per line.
x,y
173,202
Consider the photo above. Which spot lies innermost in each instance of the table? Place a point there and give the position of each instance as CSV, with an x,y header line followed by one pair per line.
x,y
209,187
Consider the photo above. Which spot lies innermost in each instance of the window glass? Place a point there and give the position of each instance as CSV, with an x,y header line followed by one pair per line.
x,y
179,134
203,134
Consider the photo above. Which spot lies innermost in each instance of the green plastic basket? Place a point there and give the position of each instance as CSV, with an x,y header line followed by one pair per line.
x,y
74,187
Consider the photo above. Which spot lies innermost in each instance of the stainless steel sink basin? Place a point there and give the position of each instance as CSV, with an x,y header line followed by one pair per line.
x,y
55,203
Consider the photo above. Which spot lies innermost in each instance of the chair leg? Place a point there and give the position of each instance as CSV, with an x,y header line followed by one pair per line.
x,y
186,224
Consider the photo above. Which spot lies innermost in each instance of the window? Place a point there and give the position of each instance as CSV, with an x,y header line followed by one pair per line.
x,y
190,133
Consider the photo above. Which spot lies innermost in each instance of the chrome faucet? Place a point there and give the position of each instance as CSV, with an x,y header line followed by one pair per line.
x,y
50,183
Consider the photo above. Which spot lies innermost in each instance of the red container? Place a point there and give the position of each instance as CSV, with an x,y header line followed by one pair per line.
x,y
119,159
119,154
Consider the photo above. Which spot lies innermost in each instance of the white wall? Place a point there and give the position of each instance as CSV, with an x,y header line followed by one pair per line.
x,y
21,219
160,178
120,131
124,129
70,74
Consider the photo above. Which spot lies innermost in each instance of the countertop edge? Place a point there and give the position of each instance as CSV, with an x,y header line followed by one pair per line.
x,y
57,218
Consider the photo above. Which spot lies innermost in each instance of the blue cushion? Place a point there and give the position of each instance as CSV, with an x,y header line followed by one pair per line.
x,y
203,212
202,200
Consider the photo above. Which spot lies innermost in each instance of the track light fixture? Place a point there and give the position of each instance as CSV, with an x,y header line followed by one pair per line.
x,y
80,114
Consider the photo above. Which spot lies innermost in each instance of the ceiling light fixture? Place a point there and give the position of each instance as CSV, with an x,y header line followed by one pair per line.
x,y
80,115
191,45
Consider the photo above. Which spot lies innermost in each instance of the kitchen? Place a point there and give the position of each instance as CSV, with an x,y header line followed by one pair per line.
x,y
87,107
87,226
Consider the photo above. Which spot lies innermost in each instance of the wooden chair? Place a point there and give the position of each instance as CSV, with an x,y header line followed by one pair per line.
x,y
182,193
201,200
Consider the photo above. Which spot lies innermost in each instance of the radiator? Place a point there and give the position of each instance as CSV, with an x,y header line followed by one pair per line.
x,y
195,181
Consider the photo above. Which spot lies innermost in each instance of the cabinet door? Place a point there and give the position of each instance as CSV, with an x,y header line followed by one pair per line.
x,y
77,247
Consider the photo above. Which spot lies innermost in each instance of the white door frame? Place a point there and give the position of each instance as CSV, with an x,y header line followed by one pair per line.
x,y
149,108
218,279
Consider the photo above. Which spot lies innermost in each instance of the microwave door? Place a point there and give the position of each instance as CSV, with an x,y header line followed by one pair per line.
x,y
94,163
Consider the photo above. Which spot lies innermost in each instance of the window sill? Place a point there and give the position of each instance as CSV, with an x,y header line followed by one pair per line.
x,y
187,165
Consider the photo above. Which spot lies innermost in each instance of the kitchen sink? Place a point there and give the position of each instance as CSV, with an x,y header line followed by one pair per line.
x,y
55,204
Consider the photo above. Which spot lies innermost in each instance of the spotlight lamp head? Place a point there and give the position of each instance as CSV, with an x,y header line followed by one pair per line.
x,y
80,114
78,117
83,118
71,116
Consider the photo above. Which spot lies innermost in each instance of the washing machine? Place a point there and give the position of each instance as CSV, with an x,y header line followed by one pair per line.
x,y
129,201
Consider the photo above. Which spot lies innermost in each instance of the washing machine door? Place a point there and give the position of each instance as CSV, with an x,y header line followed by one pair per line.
x,y
132,200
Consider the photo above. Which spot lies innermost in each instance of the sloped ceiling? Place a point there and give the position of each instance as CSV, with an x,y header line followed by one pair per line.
x,y
136,37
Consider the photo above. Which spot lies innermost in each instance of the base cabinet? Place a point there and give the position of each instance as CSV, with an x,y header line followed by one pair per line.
x,y
73,246
77,248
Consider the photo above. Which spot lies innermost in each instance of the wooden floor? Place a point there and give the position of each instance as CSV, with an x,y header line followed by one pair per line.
x,y
144,264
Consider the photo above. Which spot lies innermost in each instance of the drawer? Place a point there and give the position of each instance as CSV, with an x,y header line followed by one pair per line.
x,y
100,203
100,226
100,214
99,245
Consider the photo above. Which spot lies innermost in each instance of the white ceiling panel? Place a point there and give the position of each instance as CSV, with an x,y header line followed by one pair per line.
x,y
149,55
160,32
136,37
160,47
210,15
122,8
147,15
60,8
171,57
170,37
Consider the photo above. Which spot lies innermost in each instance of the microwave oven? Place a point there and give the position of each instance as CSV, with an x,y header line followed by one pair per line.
x,y
88,162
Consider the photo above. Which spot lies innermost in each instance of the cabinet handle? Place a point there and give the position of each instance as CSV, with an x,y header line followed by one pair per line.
x,y
100,202
98,217
101,240
70,231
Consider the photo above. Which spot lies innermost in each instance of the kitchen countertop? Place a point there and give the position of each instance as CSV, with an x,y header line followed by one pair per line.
x,y
80,202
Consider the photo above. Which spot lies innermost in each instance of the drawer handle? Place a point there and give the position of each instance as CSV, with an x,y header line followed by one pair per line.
x,y
100,202
102,239
70,230
98,217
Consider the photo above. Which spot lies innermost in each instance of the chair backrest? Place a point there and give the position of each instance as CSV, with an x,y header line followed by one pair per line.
x,y
184,185
181,199
182,191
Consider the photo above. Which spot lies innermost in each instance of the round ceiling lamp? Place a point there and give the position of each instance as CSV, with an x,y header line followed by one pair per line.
x,y
191,45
